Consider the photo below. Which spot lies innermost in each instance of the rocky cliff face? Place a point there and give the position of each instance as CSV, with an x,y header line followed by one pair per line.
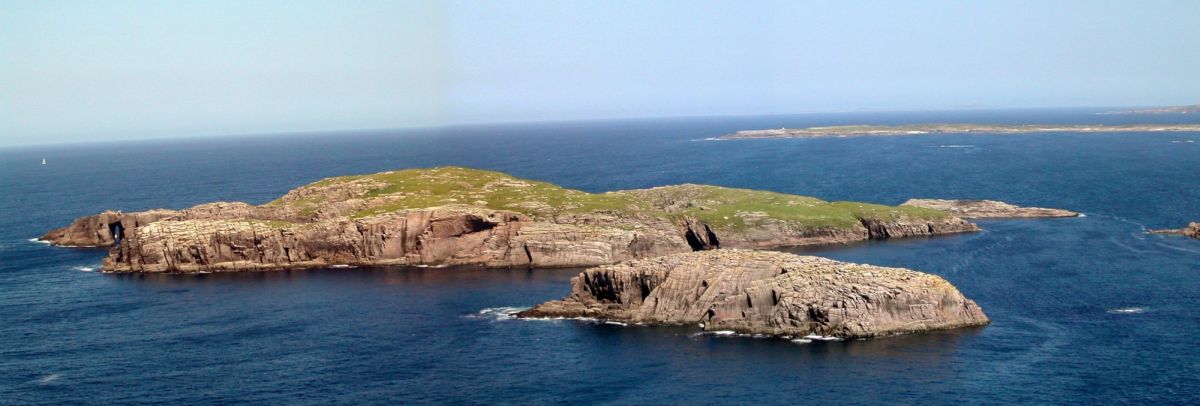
x,y
443,219
987,209
762,292
435,236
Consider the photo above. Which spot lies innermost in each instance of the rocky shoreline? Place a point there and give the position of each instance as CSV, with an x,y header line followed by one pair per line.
x,y
461,216
764,292
987,209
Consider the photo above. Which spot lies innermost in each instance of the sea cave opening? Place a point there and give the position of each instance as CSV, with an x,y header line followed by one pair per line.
x,y
117,231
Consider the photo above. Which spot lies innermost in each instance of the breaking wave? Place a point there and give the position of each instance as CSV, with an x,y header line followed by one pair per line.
x,y
48,379
1127,310
497,313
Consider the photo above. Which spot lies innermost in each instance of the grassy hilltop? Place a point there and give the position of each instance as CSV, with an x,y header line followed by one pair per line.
x,y
446,186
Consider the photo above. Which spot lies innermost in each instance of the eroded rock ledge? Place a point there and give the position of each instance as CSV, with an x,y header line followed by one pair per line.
x,y
1192,230
765,292
987,209
459,216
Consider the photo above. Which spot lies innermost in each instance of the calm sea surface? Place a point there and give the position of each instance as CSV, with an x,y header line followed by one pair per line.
x,y
1085,310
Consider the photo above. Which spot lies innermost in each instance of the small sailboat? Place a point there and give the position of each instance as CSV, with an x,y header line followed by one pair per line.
x,y
43,161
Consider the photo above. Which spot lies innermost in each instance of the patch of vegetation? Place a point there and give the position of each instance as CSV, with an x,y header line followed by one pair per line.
x,y
718,206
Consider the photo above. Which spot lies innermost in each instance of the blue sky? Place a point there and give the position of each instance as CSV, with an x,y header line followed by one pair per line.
x,y
79,71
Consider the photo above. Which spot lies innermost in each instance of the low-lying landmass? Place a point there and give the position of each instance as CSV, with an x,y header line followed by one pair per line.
x,y
764,292
987,209
923,129
460,216
1192,109
1192,230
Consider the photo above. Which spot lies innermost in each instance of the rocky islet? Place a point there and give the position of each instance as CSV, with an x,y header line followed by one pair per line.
x,y
460,216
768,293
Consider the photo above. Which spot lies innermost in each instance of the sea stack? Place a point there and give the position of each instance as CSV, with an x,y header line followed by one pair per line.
x,y
766,292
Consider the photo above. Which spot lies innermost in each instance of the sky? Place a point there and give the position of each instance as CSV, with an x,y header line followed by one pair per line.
x,y
74,71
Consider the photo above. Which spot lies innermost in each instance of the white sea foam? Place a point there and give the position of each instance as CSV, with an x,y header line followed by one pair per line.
x,y
801,341
39,241
616,323
82,268
819,337
724,332
497,313
342,266
1127,310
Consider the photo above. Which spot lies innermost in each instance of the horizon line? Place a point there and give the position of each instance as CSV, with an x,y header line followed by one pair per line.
x,y
471,123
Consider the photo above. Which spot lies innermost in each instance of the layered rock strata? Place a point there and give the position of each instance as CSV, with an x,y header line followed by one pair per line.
x,y
765,292
459,216
987,209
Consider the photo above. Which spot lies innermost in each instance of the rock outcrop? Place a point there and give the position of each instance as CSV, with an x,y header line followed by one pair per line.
x,y
765,292
1192,230
987,209
459,216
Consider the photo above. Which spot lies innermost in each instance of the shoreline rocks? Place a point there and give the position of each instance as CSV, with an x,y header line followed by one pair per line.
x,y
766,292
987,209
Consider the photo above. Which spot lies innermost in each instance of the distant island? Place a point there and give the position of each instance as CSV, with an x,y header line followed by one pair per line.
x,y
461,216
1192,109
922,129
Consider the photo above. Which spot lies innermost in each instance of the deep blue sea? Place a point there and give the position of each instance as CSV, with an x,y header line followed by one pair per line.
x,y
1084,310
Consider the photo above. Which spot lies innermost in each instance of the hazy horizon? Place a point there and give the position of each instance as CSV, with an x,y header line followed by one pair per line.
x,y
75,71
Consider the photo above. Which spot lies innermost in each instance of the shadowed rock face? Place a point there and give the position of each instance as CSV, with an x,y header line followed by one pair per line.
x,y
987,209
437,217
763,292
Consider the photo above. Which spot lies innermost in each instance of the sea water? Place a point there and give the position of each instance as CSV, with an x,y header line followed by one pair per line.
x,y
1084,310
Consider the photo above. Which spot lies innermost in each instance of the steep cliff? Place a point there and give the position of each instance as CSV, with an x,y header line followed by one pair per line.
x,y
457,216
763,292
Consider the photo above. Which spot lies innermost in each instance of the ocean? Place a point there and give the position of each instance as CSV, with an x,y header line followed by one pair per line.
x,y
1084,310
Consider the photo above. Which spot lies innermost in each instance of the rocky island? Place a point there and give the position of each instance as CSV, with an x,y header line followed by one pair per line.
x,y
987,209
1192,109
1192,230
922,129
458,216
764,292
